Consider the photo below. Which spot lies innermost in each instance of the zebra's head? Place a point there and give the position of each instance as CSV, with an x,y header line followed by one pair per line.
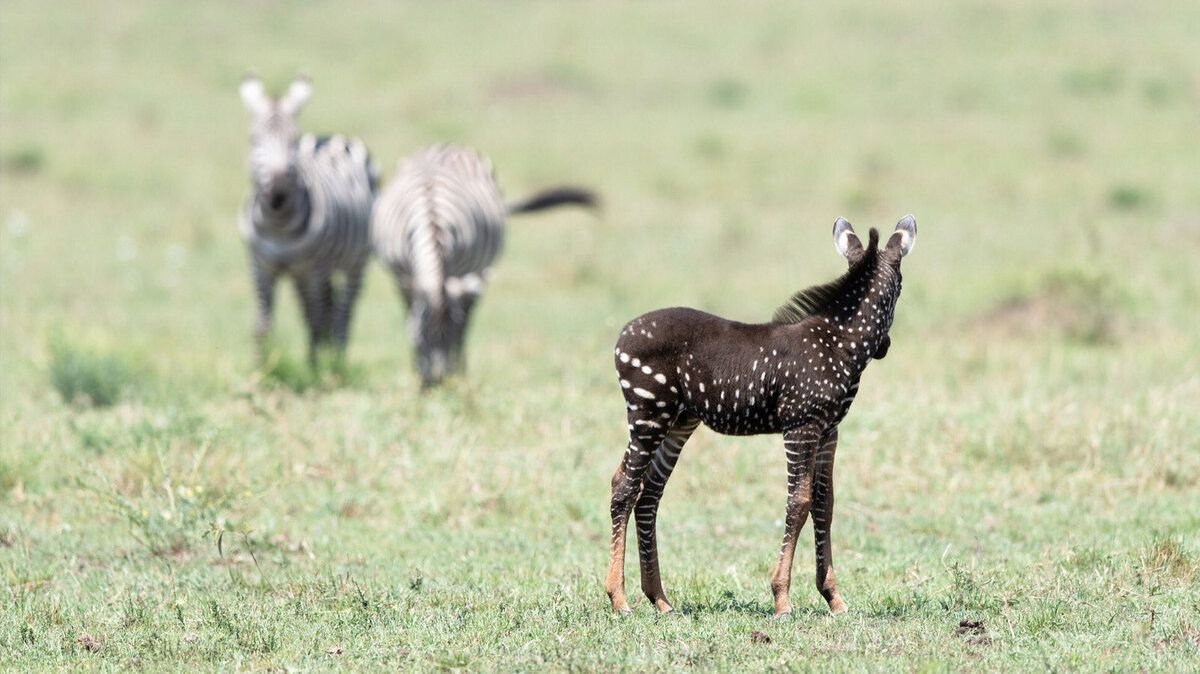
x,y
438,326
274,141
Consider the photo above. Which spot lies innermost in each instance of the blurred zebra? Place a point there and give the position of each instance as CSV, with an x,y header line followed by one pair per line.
x,y
308,216
439,225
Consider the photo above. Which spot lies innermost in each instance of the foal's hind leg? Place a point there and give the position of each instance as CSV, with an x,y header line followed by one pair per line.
x,y
822,514
646,432
646,510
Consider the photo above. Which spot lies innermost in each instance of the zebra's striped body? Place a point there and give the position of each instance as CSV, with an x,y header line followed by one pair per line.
x,y
439,226
308,217
796,375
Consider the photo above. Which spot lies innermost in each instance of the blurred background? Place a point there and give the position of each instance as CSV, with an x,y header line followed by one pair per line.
x,y
1026,453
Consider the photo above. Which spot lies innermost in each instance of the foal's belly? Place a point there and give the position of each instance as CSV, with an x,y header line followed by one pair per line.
x,y
730,422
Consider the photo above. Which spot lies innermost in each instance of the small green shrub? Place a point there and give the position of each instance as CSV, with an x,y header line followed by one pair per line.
x,y
1102,81
28,159
1128,198
86,375
728,94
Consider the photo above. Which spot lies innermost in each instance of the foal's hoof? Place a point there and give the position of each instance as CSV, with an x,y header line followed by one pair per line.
x,y
620,607
663,606
836,606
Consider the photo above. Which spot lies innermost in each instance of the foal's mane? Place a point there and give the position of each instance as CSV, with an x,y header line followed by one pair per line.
x,y
814,300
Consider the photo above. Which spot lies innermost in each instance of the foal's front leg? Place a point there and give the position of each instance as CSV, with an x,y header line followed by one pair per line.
x,y
822,513
800,444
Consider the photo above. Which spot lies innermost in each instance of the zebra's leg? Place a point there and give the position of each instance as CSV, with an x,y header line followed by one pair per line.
x,y
427,325
311,290
326,308
344,308
644,440
264,290
646,510
800,445
822,514
460,318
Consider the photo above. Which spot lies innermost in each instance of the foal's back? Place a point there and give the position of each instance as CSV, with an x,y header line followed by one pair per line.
x,y
732,375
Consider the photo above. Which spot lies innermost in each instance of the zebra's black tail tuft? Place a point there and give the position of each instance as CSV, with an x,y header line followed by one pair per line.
x,y
555,196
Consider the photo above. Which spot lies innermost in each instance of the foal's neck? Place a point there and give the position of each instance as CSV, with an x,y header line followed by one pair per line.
x,y
855,325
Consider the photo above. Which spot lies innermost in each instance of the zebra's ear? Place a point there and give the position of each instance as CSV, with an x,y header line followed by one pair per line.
x,y
905,236
254,96
845,240
296,96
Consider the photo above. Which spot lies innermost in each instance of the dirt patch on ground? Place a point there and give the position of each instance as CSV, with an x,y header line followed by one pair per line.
x,y
973,632
529,86
1073,307
757,637
89,643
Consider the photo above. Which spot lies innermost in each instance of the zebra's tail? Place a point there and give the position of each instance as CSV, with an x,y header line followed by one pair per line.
x,y
555,196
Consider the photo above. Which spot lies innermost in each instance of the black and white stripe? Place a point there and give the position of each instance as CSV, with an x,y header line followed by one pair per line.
x,y
439,226
308,217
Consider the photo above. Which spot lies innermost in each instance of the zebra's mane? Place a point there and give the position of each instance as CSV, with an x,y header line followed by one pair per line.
x,y
814,300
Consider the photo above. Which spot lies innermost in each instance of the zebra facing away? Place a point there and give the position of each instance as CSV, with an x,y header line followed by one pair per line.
x,y
439,225
796,375
308,216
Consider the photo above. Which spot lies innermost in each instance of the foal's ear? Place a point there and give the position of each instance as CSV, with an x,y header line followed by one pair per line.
x,y
845,240
905,236
296,96
254,96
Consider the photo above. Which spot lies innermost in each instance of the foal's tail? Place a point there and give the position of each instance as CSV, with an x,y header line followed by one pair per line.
x,y
555,196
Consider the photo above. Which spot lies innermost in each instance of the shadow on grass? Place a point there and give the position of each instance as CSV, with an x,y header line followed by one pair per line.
x,y
727,603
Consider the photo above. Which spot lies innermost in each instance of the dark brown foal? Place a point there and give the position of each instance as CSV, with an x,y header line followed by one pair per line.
x,y
796,375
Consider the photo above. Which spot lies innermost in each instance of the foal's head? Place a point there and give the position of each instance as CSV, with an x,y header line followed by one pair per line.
x,y
274,142
898,244
881,265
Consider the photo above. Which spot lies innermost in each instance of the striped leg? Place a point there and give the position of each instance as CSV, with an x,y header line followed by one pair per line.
x,y
264,288
315,292
800,444
344,309
460,320
646,510
646,433
326,304
822,513
429,329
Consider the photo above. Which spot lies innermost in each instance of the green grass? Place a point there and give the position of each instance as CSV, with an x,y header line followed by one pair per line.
x,y
1026,456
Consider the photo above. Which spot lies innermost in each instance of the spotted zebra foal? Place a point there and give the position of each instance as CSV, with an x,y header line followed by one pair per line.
x,y
796,375
439,225
308,216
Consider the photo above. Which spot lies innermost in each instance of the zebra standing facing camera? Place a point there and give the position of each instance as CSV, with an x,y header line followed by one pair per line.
x,y
796,375
308,216
439,225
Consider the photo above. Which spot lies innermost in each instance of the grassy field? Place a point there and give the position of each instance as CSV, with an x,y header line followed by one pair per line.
x,y
1027,456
